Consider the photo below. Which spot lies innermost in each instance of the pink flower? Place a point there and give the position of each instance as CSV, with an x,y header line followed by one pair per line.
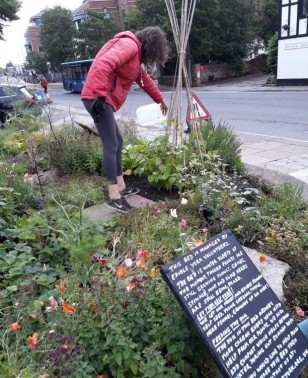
x,y
139,254
205,230
143,202
53,302
15,327
48,309
163,205
183,223
299,312
44,267
103,260
155,209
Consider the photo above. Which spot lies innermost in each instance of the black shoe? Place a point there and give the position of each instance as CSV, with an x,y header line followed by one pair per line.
x,y
119,204
130,191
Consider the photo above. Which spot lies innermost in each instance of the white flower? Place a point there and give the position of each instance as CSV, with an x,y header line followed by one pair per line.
x,y
173,213
128,263
184,201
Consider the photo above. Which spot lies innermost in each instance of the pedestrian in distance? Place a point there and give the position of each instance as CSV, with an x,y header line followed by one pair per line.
x,y
119,64
44,84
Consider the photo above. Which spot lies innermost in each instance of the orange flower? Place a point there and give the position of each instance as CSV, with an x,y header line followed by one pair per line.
x,y
14,327
67,309
153,273
33,340
60,288
145,254
262,258
120,272
140,263
99,376
197,242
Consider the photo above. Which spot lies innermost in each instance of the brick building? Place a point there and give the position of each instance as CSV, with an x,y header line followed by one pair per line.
x,y
32,35
110,9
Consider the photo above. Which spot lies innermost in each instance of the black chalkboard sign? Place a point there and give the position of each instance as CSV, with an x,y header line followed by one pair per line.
x,y
240,319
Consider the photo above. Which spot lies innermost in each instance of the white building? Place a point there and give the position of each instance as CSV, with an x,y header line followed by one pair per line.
x,y
293,43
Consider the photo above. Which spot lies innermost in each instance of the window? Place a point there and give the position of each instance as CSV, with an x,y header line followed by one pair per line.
x,y
303,8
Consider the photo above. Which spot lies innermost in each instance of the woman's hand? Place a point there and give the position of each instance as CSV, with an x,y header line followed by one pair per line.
x,y
164,107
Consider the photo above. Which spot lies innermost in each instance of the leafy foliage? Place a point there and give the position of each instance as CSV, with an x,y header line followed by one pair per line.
x,y
73,152
272,56
36,61
8,12
57,36
93,33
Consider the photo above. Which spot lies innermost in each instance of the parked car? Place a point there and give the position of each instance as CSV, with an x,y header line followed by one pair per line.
x,y
16,99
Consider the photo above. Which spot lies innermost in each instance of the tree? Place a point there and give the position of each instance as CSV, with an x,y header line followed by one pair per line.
x,y
57,36
268,24
8,12
221,31
36,61
153,13
273,54
93,33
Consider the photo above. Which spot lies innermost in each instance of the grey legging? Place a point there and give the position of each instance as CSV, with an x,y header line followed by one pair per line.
x,y
112,142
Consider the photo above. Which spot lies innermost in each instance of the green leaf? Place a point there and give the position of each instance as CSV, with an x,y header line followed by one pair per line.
x,y
14,272
9,258
134,368
118,358
12,289
3,266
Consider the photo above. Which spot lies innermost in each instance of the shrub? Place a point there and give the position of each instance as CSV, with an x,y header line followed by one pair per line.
x,y
272,56
224,142
72,151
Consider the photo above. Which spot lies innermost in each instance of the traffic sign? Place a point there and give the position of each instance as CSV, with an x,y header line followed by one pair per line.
x,y
199,112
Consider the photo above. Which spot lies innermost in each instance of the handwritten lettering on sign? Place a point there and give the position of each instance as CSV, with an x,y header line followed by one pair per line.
x,y
240,319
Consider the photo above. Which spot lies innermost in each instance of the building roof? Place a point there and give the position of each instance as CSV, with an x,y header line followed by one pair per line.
x,y
39,15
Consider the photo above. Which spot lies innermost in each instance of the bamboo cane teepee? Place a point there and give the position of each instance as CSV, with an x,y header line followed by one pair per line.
x,y
181,34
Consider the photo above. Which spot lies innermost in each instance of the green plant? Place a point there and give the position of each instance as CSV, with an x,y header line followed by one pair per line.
x,y
159,161
72,191
238,65
284,201
272,55
224,142
74,152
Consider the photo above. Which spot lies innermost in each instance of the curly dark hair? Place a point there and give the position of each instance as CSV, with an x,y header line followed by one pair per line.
x,y
154,45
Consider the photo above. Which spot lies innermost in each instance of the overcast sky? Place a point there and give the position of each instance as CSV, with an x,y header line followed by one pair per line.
x,y
12,49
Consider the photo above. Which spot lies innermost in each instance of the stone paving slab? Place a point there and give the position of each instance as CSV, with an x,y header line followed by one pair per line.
x,y
273,154
257,161
266,145
272,270
102,212
301,175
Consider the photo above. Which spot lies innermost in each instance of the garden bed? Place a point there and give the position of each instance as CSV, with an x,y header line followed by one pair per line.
x,y
85,299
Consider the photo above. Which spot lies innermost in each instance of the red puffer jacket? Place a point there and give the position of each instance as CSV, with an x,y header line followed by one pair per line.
x,y
115,68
